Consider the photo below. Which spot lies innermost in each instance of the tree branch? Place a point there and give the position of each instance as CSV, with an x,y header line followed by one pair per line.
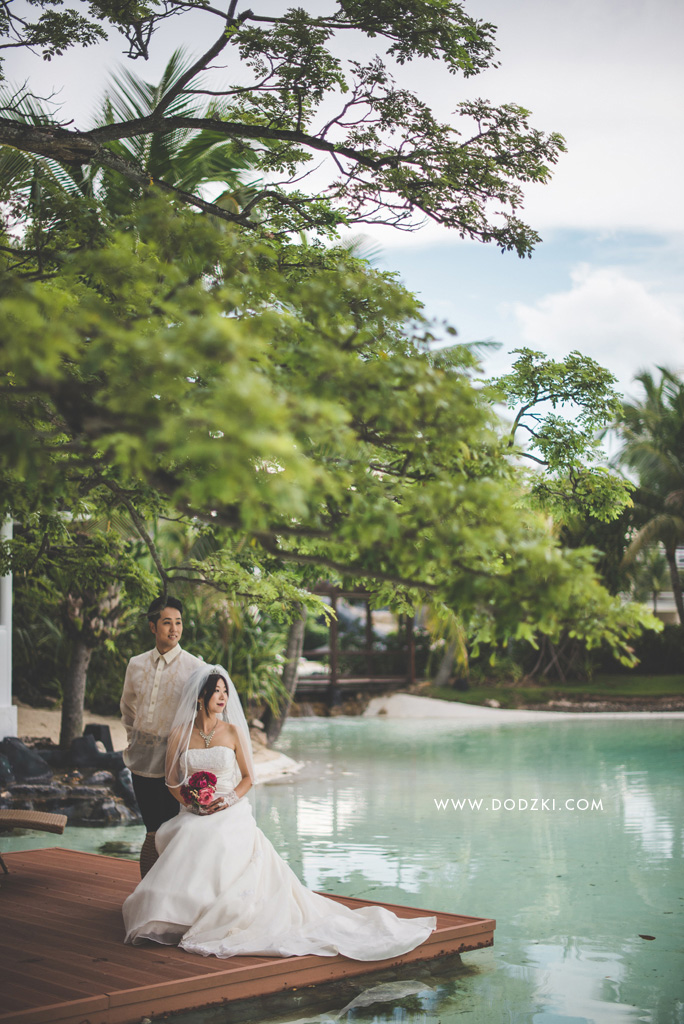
x,y
199,65
139,524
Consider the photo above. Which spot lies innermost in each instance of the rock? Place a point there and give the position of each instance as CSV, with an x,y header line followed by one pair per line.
x,y
116,848
85,754
7,776
26,764
125,786
93,800
99,779
89,793
114,762
54,756
39,791
491,703
109,812
102,734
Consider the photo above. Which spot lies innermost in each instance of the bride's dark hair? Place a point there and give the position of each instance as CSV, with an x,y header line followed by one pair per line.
x,y
207,691
198,689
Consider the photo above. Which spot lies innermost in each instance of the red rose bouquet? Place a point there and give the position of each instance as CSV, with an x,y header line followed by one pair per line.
x,y
199,789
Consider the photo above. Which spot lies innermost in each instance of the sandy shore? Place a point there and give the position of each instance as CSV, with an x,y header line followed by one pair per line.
x,y
407,705
44,723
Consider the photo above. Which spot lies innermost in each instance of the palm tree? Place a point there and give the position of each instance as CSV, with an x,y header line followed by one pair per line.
x,y
652,434
186,158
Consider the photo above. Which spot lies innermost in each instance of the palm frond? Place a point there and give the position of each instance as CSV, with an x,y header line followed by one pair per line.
x,y
18,170
666,529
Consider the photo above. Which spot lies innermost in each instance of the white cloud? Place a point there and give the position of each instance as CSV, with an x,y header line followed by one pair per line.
x,y
609,77
616,319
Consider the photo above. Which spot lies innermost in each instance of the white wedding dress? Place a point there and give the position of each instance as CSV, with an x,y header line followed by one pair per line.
x,y
220,889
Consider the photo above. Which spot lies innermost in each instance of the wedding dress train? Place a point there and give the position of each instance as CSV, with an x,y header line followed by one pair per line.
x,y
219,888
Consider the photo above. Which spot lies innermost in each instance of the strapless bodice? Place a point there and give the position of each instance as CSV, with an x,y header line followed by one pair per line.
x,y
219,760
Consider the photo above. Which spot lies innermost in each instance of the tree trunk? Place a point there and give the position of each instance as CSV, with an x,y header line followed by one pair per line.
x,y
676,583
273,723
74,694
446,666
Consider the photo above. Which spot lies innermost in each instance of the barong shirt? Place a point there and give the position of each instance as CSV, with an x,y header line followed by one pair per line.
x,y
152,689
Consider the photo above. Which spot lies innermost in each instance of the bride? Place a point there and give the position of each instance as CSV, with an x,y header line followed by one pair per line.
x,y
219,888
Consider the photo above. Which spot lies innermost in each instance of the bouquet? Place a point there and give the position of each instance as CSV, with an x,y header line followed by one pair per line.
x,y
199,789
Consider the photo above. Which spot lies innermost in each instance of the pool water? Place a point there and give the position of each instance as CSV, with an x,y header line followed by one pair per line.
x,y
586,887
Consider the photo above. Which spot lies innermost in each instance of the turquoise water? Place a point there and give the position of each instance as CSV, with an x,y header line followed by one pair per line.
x,y
572,889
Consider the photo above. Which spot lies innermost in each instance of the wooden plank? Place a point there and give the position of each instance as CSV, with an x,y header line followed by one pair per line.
x,y
94,1010
78,961
52,972
116,953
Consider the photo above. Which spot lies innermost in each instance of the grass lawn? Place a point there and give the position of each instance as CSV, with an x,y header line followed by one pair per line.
x,y
602,687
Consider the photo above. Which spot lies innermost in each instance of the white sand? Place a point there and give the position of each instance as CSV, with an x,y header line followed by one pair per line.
x,y
44,722
408,705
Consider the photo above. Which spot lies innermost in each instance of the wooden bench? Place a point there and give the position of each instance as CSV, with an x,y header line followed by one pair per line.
x,y
41,821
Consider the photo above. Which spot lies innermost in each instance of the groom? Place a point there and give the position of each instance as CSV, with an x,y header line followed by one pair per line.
x,y
152,688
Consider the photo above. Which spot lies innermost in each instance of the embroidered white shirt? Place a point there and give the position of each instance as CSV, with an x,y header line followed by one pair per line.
x,y
152,688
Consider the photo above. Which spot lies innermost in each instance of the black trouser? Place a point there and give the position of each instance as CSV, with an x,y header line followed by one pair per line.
x,y
154,800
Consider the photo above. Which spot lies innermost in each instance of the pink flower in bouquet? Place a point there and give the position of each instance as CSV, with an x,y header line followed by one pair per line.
x,y
206,796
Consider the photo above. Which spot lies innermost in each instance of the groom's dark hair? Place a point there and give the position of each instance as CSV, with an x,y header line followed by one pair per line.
x,y
158,606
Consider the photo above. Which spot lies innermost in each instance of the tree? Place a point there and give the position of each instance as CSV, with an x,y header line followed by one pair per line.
x,y
561,408
388,158
266,386
91,582
652,435
568,477
276,393
274,718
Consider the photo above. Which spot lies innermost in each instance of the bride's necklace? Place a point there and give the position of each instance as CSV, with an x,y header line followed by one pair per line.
x,y
208,737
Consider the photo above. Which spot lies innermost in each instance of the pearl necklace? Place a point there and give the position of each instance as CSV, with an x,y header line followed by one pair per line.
x,y
208,738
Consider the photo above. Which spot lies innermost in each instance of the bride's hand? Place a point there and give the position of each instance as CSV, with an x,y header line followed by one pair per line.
x,y
216,805
221,803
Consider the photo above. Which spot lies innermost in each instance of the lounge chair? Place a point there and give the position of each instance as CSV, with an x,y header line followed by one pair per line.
x,y
41,821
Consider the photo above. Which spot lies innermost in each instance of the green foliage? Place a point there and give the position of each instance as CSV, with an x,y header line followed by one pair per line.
x,y
652,432
285,95
236,635
279,399
288,396
55,29
658,653
186,157
565,448
89,581
603,687
652,435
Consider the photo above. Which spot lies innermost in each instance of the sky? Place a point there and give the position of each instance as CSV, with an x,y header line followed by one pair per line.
x,y
607,278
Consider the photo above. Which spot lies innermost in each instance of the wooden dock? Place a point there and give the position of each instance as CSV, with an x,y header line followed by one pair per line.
x,y
62,958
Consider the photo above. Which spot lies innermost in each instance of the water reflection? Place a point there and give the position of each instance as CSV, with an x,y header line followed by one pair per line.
x,y
572,890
